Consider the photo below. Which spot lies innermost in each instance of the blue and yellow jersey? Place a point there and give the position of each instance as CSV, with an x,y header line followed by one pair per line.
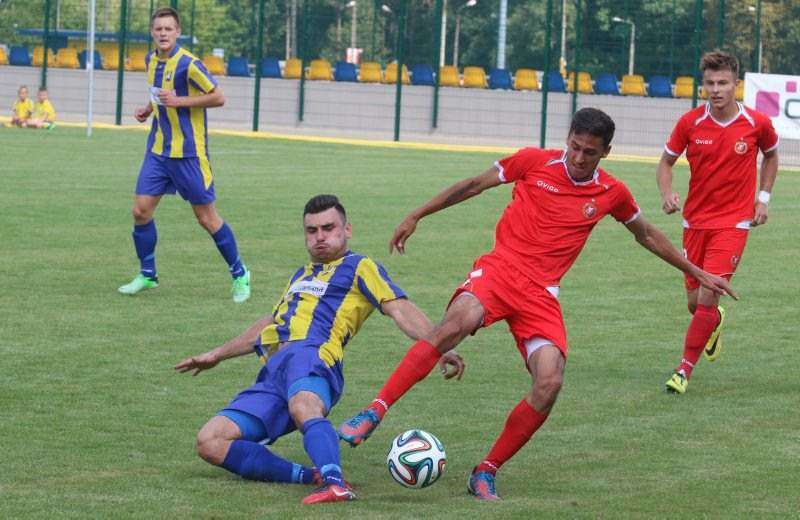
x,y
327,303
178,132
22,109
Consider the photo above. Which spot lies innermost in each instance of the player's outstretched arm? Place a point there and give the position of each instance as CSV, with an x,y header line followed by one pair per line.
x,y
238,346
416,325
769,171
652,239
458,192
670,201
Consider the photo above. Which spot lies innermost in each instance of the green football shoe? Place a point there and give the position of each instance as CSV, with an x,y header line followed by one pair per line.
x,y
677,384
241,287
139,284
714,346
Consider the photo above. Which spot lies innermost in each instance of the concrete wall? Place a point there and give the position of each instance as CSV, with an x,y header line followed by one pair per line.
x,y
469,116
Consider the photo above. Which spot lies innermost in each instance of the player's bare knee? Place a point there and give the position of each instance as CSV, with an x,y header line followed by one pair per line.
x,y
141,215
549,386
210,447
447,335
304,406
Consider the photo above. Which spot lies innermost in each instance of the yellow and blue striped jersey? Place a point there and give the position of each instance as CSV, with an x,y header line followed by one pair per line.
x,y
327,303
22,109
178,132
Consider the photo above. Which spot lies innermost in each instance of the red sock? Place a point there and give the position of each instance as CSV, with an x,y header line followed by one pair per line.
x,y
522,423
413,368
704,321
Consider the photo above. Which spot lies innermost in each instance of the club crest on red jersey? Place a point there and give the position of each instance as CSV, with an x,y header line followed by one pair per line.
x,y
740,147
589,209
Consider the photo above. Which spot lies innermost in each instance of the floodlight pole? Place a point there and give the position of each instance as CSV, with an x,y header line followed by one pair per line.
x,y
439,37
576,61
401,29
545,83
90,69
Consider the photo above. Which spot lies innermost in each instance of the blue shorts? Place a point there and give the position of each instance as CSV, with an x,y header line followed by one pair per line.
x,y
191,177
295,368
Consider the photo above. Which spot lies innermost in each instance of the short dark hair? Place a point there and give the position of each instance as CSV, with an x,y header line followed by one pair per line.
x,y
321,203
163,12
719,60
594,122
42,89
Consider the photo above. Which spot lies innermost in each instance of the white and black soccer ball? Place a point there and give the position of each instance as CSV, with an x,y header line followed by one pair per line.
x,y
416,459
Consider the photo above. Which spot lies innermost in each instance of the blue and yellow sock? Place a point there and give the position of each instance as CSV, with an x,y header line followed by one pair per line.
x,y
145,237
322,445
226,243
253,461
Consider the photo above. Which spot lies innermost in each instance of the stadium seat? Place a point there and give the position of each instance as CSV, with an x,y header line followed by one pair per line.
x,y
3,57
270,68
19,56
606,83
214,64
474,77
684,87
67,58
584,83
422,74
136,60
740,91
370,72
659,86
499,79
448,76
293,68
238,66
98,61
555,82
320,70
526,79
38,57
391,74
633,85
345,71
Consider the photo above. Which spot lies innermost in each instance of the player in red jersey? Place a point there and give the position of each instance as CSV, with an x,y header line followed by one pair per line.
x,y
721,139
558,198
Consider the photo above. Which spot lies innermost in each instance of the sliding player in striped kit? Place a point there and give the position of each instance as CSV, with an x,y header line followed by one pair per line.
x,y
303,342
177,154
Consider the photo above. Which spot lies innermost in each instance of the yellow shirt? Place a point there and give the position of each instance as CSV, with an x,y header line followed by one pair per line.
x,y
44,110
22,109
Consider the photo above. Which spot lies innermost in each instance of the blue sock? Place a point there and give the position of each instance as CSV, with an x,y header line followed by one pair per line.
x,y
322,445
226,243
145,237
253,461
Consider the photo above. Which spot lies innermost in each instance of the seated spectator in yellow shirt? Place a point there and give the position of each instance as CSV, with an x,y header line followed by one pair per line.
x,y
44,115
22,109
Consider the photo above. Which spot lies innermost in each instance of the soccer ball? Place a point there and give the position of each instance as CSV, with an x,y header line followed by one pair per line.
x,y
416,459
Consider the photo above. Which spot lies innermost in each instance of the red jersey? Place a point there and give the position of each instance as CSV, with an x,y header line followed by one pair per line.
x,y
722,162
543,229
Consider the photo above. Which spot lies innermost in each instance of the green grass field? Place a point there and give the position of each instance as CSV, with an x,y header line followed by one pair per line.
x,y
95,423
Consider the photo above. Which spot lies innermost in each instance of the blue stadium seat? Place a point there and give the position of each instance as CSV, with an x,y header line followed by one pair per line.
x,y
19,56
606,83
98,62
238,66
500,78
555,82
660,86
345,71
270,68
422,74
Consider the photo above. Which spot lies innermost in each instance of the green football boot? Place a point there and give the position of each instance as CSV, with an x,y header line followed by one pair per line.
x,y
139,284
241,287
677,383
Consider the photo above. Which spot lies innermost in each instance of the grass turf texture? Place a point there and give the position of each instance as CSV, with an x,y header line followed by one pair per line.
x,y
95,423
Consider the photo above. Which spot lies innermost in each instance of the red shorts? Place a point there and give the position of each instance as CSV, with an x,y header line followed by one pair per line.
x,y
530,310
716,251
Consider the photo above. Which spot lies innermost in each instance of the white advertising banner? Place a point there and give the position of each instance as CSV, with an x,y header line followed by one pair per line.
x,y
778,97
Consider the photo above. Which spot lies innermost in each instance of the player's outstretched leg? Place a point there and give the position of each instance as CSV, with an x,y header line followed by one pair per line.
x,y
463,316
705,321
145,237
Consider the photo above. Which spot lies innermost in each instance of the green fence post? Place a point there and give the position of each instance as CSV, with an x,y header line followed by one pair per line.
x,y
45,37
721,24
577,60
257,93
545,87
122,37
437,17
191,29
375,8
174,4
757,54
150,40
401,29
698,42
302,55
